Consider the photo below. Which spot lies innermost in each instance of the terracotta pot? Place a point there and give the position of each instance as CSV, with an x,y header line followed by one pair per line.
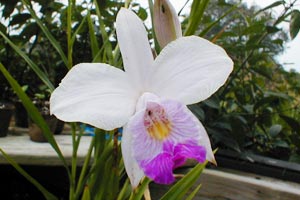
x,y
35,132
6,111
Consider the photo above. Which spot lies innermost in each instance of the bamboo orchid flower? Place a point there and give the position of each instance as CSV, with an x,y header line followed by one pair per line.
x,y
148,99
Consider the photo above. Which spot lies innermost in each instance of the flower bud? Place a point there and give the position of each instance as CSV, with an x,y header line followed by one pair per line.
x,y
166,23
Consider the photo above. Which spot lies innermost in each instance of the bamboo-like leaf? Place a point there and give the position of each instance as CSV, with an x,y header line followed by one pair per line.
x,y
33,113
139,192
109,175
123,194
107,45
193,194
31,64
44,191
295,23
69,34
272,5
182,186
46,31
78,29
197,11
94,43
83,173
103,151
210,26
86,194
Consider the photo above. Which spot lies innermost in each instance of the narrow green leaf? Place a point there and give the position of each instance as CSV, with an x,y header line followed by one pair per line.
x,y
293,123
78,29
31,64
69,34
46,31
33,113
86,194
94,42
124,191
44,191
182,186
197,11
193,194
210,26
272,5
106,44
139,192
295,23
83,173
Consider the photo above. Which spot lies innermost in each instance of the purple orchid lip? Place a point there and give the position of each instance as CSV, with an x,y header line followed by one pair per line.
x,y
160,169
165,135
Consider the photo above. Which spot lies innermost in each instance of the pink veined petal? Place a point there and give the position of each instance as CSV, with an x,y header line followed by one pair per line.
x,y
183,123
144,147
189,70
132,168
186,127
134,45
96,94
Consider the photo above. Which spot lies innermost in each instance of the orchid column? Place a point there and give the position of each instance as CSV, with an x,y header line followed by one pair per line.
x,y
148,99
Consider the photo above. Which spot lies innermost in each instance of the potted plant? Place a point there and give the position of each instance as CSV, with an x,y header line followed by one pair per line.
x,y
6,109
35,132
42,103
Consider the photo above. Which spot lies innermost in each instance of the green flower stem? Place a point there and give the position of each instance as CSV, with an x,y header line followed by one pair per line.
x,y
74,162
197,11
138,193
122,194
82,177
127,3
69,33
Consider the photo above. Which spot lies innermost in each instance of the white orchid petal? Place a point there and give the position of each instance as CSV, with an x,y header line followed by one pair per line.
x,y
205,142
190,69
134,45
96,94
133,170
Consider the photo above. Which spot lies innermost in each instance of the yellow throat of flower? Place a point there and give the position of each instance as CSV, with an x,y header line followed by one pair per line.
x,y
157,123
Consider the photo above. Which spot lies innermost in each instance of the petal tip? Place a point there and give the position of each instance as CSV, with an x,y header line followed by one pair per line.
x,y
213,161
